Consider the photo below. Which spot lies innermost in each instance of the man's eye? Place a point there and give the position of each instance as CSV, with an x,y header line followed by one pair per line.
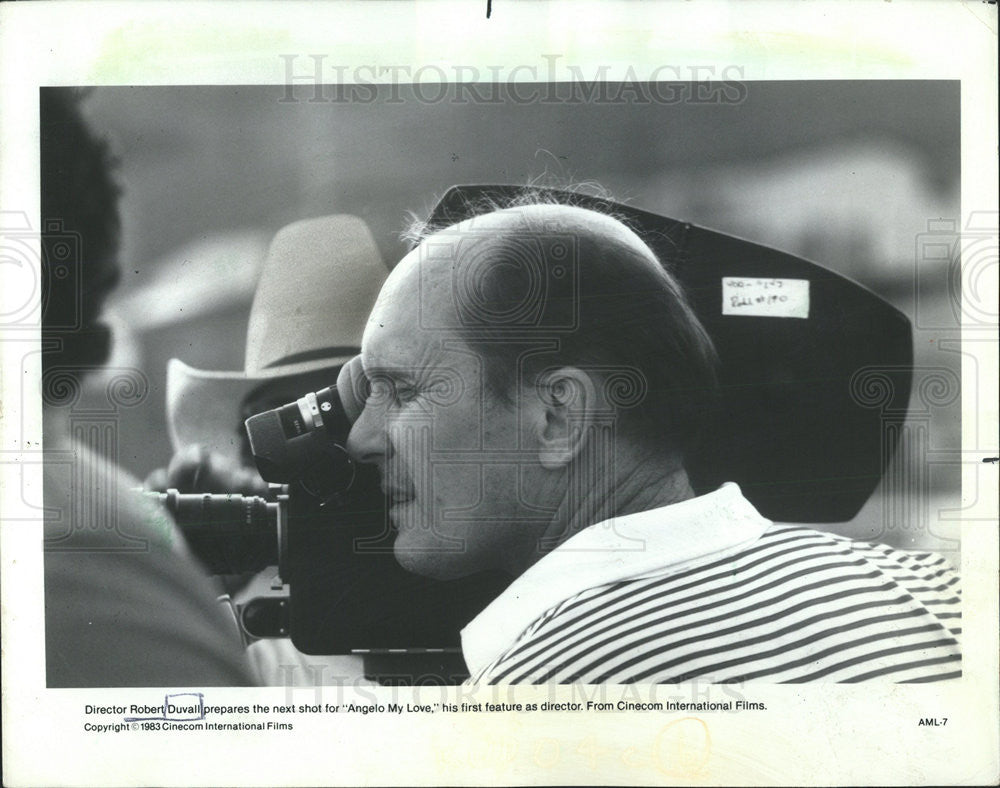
x,y
405,393
380,391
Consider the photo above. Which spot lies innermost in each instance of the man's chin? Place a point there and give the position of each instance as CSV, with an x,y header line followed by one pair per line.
x,y
427,561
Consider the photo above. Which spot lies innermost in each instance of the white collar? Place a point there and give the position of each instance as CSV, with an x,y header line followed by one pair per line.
x,y
656,542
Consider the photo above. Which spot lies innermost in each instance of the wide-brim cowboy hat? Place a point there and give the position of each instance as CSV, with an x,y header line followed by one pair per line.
x,y
316,289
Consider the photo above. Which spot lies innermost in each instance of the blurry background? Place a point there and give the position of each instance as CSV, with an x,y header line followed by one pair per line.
x,y
851,175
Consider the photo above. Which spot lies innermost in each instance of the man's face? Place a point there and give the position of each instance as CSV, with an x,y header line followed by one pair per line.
x,y
455,460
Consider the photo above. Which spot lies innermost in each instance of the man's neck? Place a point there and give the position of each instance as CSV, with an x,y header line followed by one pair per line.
x,y
650,487
643,484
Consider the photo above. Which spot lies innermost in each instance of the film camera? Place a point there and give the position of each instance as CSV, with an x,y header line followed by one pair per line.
x,y
338,589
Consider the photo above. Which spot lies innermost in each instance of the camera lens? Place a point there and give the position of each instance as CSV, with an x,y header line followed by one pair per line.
x,y
231,534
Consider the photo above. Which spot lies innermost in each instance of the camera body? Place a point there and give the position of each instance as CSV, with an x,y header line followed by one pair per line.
x,y
303,442
326,527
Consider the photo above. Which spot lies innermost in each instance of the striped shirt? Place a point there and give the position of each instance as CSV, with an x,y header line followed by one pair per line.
x,y
734,599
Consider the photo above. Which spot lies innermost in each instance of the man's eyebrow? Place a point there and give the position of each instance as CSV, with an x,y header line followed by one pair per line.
x,y
404,377
397,374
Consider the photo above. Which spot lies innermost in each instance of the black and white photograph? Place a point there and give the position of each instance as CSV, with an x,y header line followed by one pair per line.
x,y
521,432
468,394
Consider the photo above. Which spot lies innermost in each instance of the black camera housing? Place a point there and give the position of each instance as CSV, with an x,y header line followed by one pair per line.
x,y
347,593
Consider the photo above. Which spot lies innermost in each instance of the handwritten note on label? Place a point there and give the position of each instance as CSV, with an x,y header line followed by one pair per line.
x,y
752,297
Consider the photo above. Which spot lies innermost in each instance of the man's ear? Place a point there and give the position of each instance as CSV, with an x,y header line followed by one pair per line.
x,y
568,399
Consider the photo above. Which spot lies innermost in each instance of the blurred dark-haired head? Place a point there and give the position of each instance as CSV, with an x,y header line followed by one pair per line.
x,y
80,229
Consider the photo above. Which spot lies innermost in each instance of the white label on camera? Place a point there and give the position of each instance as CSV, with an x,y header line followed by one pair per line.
x,y
753,297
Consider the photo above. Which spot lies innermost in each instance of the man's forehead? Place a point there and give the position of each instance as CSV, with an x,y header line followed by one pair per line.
x,y
400,332
420,282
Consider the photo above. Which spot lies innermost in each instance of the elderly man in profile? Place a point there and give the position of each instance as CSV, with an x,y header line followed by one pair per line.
x,y
537,380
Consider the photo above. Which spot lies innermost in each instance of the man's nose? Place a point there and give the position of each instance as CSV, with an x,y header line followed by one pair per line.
x,y
366,441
